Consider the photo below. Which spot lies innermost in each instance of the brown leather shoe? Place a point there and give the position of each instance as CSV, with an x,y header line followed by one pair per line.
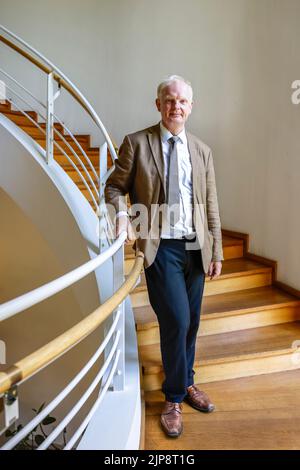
x,y
199,400
171,419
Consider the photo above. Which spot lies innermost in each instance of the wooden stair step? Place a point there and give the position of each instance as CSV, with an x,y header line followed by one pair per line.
x,y
68,167
82,186
31,127
232,248
5,106
18,118
64,162
86,194
37,133
233,345
39,136
91,151
260,412
73,174
61,158
91,154
232,311
84,140
237,274
230,355
28,127
237,302
231,268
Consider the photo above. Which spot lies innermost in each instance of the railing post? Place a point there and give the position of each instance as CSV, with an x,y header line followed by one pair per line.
x,y
101,207
51,97
11,406
118,279
49,122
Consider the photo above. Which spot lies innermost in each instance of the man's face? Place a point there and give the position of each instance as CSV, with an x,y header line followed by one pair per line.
x,y
175,105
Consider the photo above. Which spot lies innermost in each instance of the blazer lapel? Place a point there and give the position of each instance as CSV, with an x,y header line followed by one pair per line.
x,y
198,170
156,149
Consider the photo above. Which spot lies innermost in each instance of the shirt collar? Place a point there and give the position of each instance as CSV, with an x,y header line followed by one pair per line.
x,y
166,134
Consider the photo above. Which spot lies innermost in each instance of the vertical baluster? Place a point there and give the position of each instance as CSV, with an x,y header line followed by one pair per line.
x,y
118,279
11,406
49,122
101,207
51,97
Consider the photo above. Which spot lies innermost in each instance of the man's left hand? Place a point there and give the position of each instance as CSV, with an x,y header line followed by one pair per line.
x,y
215,269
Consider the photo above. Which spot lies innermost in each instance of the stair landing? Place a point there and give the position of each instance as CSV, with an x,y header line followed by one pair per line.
x,y
253,413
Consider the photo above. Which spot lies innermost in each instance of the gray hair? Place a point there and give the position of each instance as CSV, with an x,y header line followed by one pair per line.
x,y
171,79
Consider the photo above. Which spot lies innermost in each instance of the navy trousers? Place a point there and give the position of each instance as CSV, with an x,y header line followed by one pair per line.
x,y
175,282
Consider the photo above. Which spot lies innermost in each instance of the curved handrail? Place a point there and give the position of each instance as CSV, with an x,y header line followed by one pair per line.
x,y
113,359
60,148
86,420
31,364
64,393
43,117
24,89
17,305
60,77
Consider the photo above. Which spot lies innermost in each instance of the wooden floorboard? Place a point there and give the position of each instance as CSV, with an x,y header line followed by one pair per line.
x,y
261,412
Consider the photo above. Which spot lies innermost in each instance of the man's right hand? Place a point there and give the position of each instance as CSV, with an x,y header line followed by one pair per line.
x,y
123,224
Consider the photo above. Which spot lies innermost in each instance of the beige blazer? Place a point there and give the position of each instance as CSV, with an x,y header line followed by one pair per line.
x,y
139,171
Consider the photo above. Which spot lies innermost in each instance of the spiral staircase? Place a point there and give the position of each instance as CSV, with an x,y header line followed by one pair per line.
x,y
247,348
53,166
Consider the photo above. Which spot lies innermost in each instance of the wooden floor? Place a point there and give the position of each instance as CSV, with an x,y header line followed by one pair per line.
x,y
261,412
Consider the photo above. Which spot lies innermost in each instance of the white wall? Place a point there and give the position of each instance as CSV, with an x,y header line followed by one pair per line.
x,y
241,56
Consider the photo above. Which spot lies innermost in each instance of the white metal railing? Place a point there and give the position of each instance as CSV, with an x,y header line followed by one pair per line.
x,y
17,305
86,181
35,123
63,77
84,398
65,392
112,366
54,75
112,372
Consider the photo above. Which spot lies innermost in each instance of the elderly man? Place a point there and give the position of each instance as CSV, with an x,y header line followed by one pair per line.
x,y
165,166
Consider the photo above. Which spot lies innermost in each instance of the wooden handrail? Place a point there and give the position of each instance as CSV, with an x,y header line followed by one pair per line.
x,y
27,56
45,69
62,82
33,297
55,348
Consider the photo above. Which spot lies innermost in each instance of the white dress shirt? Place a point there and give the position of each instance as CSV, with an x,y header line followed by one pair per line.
x,y
184,226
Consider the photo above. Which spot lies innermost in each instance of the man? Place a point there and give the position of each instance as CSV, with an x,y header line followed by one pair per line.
x,y
159,166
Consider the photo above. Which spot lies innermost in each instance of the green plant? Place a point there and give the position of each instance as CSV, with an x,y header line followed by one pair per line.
x,y
37,435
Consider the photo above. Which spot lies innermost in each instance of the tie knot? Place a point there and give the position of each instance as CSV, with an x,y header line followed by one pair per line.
x,y
174,139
